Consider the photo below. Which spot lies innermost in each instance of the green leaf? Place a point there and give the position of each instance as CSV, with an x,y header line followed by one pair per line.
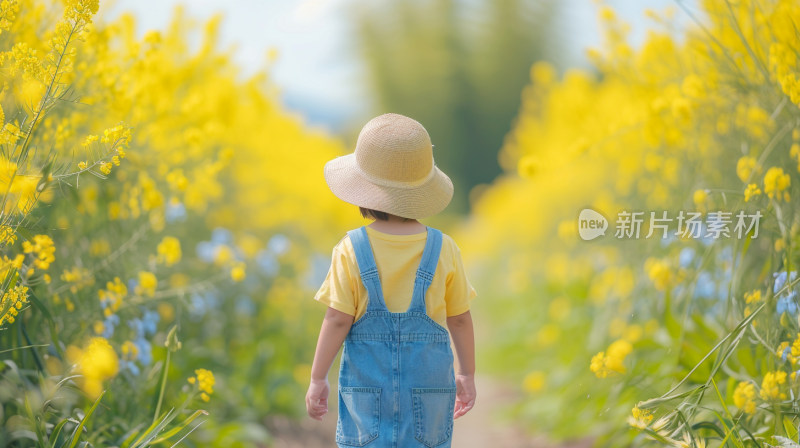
x,y
790,427
76,435
179,428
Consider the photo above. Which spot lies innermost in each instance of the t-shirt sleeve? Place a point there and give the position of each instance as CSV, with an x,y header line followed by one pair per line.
x,y
459,291
337,290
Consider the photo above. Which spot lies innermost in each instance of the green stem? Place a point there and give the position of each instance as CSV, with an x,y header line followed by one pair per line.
x,y
163,386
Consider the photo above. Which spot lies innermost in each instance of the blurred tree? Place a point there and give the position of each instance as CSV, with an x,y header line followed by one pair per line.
x,y
458,67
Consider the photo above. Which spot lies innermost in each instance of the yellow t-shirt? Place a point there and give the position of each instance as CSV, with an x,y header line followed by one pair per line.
x,y
397,258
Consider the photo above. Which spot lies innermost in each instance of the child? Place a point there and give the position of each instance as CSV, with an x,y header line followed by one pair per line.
x,y
392,288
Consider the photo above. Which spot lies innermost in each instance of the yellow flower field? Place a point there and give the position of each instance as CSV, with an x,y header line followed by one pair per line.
x,y
165,222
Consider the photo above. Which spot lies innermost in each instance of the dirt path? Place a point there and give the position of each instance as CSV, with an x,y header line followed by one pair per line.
x,y
480,428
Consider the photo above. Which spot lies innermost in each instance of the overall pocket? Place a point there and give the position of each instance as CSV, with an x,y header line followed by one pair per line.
x,y
433,414
359,415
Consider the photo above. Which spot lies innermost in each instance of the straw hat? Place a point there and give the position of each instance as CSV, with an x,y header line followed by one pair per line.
x,y
391,170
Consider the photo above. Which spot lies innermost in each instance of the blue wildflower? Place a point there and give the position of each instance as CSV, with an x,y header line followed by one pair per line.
x,y
786,352
109,324
176,211
705,286
780,280
786,304
137,326
145,355
149,321
130,366
206,251
133,283
197,306
686,256
278,244
221,235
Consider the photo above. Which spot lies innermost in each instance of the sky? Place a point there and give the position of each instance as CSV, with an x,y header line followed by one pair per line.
x,y
317,68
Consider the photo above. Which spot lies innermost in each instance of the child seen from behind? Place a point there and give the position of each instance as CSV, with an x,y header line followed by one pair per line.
x,y
396,294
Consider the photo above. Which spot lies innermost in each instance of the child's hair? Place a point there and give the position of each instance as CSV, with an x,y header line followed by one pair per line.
x,y
382,216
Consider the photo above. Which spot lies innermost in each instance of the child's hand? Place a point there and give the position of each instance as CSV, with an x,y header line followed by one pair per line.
x,y
317,398
465,394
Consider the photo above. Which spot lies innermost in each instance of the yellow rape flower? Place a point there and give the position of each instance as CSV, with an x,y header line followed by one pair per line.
x,y
223,256
169,250
770,386
12,302
205,382
640,418
700,198
751,191
744,397
659,272
147,284
96,363
129,351
775,183
610,361
745,167
7,235
534,381
752,296
112,296
237,272
89,140
43,250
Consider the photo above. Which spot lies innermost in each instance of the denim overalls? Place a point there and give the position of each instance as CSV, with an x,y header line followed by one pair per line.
x,y
396,382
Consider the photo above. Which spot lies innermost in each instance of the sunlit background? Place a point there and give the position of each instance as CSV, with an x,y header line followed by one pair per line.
x,y
165,223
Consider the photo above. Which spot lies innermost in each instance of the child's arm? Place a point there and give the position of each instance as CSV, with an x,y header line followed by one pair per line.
x,y
334,329
460,327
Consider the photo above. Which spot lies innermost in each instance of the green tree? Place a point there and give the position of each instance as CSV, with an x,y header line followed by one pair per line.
x,y
458,67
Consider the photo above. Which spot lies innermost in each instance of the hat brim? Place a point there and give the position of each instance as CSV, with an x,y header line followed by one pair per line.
x,y
346,181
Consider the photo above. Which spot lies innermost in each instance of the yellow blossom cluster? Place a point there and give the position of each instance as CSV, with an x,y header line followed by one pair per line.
x,y
129,351
771,386
789,351
224,257
42,249
169,250
12,302
8,12
6,264
204,380
111,297
22,188
776,182
783,67
640,418
610,362
147,284
96,362
699,121
659,272
744,397
77,278
751,298
7,235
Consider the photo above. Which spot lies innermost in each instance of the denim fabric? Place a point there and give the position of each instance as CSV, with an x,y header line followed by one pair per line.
x,y
396,381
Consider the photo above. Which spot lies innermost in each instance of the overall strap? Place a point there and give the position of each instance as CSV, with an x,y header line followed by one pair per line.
x,y
426,270
368,269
